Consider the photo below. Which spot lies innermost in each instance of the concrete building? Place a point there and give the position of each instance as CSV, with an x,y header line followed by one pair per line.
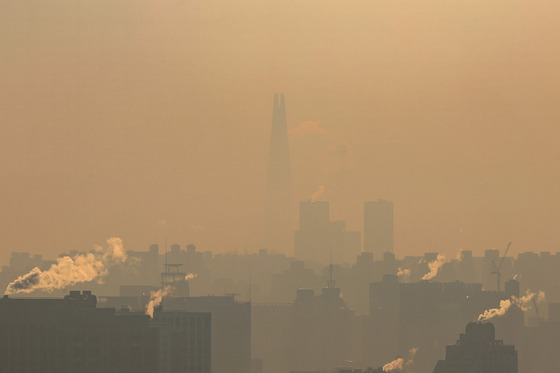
x,y
186,339
318,239
231,329
71,335
477,350
378,227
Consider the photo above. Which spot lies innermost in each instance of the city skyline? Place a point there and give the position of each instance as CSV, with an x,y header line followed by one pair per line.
x,y
272,186
446,111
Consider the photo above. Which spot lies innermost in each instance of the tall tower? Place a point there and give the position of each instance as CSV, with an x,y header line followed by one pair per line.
x,y
279,171
279,213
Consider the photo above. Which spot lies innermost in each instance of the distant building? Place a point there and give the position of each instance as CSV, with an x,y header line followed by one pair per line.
x,y
378,227
279,204
478,351
318,239
313,334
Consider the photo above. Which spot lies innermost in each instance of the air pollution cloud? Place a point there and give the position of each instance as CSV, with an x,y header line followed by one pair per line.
x,y
155,300
507,303
399,364
435,265
93,266
190,276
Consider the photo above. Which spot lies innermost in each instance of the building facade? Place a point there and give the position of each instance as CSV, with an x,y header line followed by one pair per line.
x,y
319,239
72,335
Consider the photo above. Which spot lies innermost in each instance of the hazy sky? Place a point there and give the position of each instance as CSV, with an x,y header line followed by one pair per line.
x,y
141,119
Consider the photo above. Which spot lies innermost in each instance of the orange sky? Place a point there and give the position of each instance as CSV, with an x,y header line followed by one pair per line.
x,y
118,116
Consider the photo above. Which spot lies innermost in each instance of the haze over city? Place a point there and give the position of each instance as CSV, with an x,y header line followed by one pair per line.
x,y
150,119
279,186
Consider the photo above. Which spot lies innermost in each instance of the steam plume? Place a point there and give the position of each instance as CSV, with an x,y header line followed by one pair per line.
x,y
399,364
67,271
190,276
403,272
435,265
315,196
155,300
507,303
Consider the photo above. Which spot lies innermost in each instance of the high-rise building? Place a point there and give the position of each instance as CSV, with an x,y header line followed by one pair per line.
x,y
478,351
378,227
185,337
319,240
72,335
279,207
231,329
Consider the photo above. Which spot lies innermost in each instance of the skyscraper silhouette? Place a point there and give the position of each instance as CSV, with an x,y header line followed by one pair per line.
x,y
279,209
279,171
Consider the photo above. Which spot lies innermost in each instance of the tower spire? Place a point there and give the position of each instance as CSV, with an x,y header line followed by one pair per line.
x,y
279,223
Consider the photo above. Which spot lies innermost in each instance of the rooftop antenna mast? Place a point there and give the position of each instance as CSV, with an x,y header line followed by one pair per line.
x,y
496,269
250,282
330,283
165,243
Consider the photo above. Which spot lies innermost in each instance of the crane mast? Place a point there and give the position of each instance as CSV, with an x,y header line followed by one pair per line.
x,y
496,269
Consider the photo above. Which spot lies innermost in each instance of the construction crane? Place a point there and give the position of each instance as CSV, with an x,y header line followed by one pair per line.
x,y
496,269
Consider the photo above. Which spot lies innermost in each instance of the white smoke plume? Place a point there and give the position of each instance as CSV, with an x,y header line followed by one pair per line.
x,y
435,265
155,300
505,304
404,273
315,196
399,364
190,276
67,271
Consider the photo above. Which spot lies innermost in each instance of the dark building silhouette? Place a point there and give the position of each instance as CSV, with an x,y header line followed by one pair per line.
x,y
279,208
318,239
477,350
231,329
72,335
186,338
378,227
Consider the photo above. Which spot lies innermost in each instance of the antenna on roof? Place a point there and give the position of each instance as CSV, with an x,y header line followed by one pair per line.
x,y
250,282
330,283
